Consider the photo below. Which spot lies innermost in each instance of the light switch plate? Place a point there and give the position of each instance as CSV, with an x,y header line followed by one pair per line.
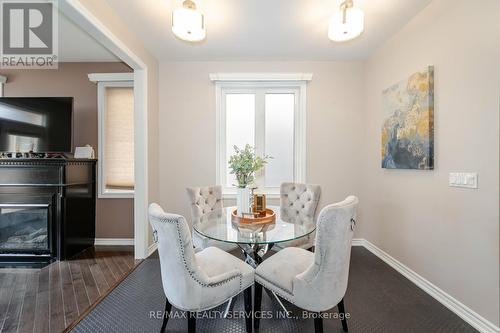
x,y
463,179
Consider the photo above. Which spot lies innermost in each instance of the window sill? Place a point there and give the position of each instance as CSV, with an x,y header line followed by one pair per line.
x,y
116,194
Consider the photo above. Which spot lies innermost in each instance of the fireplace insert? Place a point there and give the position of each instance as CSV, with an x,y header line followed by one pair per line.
x,y
24,229
27,226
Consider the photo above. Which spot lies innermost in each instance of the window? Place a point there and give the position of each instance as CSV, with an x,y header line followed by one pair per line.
x,y
116,135
3,80
268,114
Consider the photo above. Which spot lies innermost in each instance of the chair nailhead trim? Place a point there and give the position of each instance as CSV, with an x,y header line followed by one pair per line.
x,y
191,273
286,290
271,286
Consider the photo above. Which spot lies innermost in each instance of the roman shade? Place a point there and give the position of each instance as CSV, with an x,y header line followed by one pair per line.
x,y
119,138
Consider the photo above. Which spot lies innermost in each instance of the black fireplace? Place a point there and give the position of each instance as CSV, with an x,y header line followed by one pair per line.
x,y
47,209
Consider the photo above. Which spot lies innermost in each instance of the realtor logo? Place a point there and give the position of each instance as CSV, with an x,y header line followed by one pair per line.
x,y
29,34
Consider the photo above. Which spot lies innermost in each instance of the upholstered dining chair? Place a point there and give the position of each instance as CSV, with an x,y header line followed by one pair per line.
x,y
203,200
298,203
200,281
316,281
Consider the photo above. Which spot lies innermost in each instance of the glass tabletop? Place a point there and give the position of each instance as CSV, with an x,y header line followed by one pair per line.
x,y
219,226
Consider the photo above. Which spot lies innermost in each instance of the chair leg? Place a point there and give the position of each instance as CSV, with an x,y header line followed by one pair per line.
x,y
191,322
248,309
342,314
318,323
166,315
257,305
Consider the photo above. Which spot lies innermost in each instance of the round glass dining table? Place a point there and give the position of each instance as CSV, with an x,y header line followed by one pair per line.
x,y
254,240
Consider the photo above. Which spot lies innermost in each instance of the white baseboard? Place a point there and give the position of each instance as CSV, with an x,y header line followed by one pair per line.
x,y
358,242
470,316
152,248
114,241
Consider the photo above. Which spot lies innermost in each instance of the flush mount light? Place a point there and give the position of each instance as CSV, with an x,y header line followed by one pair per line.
x,y
346,24
188,23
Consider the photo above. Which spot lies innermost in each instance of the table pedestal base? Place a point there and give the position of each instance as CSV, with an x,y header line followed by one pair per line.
x,y
254,252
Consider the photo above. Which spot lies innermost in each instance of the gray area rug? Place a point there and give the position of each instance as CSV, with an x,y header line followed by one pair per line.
x,y
378,300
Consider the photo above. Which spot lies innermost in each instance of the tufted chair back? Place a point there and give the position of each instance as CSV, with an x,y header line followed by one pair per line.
x,y
187,283
181,277
204,200
299,201
325,282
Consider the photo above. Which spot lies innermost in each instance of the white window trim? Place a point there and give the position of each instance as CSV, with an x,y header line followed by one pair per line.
x,y
3,81
103,81
263,77
110,77
297,81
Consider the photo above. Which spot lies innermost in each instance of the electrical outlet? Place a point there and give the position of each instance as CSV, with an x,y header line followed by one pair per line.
x,y
463,179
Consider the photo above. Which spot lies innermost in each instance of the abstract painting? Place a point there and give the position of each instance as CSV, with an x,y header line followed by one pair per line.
x,y
408,127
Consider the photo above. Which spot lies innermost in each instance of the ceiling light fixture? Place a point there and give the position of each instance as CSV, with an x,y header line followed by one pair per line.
x,y
188,23
346,24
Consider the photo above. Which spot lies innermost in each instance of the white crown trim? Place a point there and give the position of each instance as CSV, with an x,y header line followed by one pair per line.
x,y
110,77
261,76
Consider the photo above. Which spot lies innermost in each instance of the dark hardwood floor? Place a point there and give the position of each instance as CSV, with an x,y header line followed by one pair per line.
x,y
55,297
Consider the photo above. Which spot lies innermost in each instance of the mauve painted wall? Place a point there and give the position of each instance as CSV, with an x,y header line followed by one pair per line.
x,y
114,216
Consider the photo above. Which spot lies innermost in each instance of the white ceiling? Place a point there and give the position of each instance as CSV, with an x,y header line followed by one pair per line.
x,y
76,45
264,29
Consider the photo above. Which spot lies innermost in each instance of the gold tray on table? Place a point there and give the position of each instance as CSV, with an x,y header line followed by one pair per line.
x,y
256,219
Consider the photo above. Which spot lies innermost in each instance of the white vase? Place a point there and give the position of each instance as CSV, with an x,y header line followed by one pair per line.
x,y
243,200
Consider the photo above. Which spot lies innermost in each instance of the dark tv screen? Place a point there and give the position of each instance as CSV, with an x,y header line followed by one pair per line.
x,y
38,124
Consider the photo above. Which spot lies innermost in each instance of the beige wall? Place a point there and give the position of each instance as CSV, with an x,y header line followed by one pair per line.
x,y
450,236
187,125
114,216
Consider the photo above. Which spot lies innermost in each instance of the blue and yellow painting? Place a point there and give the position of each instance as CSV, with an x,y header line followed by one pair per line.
x,y
408,127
